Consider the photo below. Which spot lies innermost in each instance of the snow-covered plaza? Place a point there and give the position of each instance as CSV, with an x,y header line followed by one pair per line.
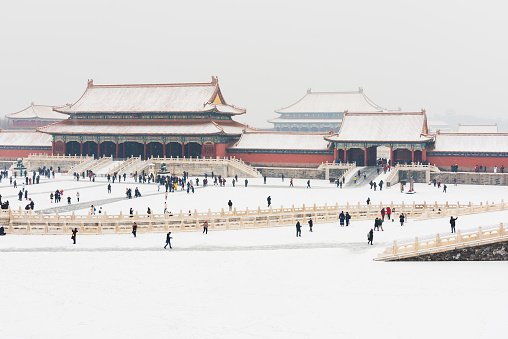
x,y
252,283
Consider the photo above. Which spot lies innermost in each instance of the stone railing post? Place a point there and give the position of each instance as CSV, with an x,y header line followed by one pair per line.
x,y
395,247
416,244
501,230
480,233
459,237
438,240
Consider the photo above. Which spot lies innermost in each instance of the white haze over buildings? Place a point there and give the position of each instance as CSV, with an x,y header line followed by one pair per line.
x,y
444,56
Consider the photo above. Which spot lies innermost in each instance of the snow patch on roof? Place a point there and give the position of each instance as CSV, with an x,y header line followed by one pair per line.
x,y
282,141
192,97
477,128
471,142
38,112
383,127
25,138
333,102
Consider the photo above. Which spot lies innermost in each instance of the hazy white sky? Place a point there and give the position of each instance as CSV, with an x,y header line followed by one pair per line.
x,y
439,55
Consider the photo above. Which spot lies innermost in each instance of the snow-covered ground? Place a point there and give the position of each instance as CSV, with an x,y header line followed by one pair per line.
x,y
257,283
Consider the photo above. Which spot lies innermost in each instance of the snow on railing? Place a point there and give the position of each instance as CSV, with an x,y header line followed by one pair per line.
x,y
441,244
27,222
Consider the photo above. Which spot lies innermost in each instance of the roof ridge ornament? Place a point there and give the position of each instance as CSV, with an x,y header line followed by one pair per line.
x,y
360,90
89,83
309,90
215,79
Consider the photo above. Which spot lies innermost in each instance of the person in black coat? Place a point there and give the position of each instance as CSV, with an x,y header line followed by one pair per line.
x,y
370,236
74,234
168,240
310,224
348,217
134,229
298,229
452,223
269,201
230,204
2,230
401,219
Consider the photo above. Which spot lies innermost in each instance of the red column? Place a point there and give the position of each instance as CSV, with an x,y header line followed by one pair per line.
x,y
53,148
345,155
412,155
170,150
64,144
365,157
183,150
424,155
392,156
202,150
98,150
81,148
151,150
335,154
163,149
144,150
117,149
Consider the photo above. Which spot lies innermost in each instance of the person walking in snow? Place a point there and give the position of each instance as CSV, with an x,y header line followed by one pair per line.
x,y
401,219
298,229
246,182
109,188
370,237
368,201
310,224
291,182
383,213
77,196
74,234
342,217
308,183
205,227
348,217
388,213
452,223
230,204
444,188
381,185
269,201
168,240
134,229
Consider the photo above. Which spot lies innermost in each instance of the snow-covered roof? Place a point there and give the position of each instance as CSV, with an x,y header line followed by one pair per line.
x,y
333,102
24,138
383,127
38,112
152,98
145,127
282,141
306,121
471,142
477,128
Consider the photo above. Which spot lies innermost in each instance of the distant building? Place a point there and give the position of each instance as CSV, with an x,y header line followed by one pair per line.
x,y
439,125
323,111
34,116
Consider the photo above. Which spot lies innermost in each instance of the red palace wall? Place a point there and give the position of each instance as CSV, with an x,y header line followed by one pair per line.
x,y
271,159
468,163
220,150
